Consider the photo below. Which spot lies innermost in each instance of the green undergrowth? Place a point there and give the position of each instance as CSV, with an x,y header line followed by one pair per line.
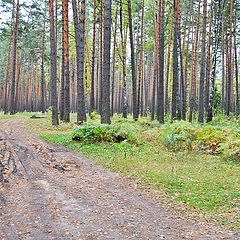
x,y
97,133
8,116
217,138
190,162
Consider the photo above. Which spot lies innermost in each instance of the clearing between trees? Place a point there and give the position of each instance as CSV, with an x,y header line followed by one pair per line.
x,y
49,192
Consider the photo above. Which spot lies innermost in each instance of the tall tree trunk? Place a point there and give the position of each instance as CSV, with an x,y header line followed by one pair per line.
x,y
123,59
133,66
223,68
186,61
208,68
227,69
43,82
175,91
92,95
140,70
217,29
229,88
119,92
73,85
7,83
36,93
156,62
147,84
203,66
168,69
62,83
14,59
182,82
114,60
97,80
65,45
79,25
161,64
236,67
59,67
53,74
105,116
101,58
193,93
18,77
5,107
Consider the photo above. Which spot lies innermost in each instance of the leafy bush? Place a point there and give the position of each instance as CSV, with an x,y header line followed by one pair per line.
x,y
93,115
104,133
34,116
220,139
209,138
178,136
231,146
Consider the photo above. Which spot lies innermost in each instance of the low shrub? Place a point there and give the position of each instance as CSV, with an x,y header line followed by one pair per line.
x,y
104,133
178,136
93,115
231,147
34,116
208,139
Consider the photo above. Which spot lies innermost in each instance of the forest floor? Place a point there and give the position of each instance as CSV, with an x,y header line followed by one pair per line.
x,y
50,192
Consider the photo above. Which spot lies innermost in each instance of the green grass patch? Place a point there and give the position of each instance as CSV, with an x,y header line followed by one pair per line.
x,y
19,115
177,158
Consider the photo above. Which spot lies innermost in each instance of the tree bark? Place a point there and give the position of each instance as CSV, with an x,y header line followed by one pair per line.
x,y
161,64
114,60
79,25
65,43
203,66
236,68
43,82
140,70
229,85
208,68
53,74
7,83
193,93
92,95
123,59
100,94
175,91
217,28
133,66
14,60
168,69
105,116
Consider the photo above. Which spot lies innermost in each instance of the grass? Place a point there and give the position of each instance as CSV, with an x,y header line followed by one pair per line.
x,y
8,116
209,184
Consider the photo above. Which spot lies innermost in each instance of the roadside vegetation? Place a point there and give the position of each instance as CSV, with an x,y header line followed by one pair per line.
x,y
196,165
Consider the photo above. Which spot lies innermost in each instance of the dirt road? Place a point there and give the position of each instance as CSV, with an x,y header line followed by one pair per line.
x,y
48,192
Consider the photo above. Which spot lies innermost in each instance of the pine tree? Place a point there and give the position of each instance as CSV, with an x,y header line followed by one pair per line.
x,y
203,66
105,114
133,62
79,25
14,60
53,74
